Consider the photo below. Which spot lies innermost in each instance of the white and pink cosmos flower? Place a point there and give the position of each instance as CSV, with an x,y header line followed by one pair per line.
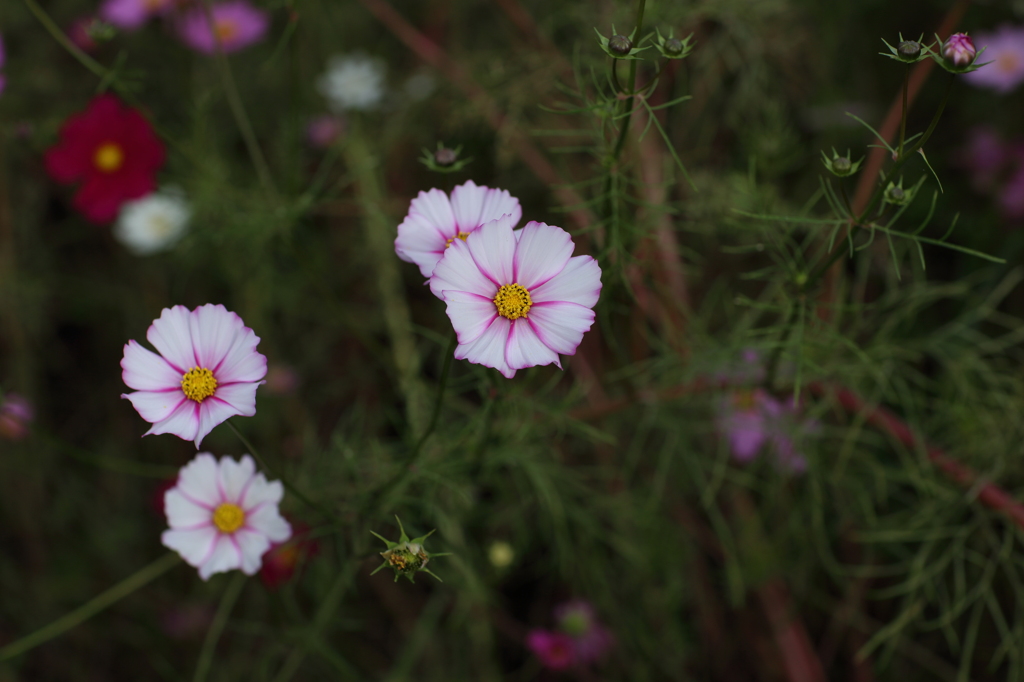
x,y
435,222
517,300
208,370
223,515
236,25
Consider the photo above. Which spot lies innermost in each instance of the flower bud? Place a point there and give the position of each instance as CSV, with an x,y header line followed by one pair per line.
x,y
406,557
959,49
620,45
909,48
445,157
841,165
896,195
674,46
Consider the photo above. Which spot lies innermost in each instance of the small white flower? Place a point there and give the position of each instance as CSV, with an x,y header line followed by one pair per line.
x,y
223,515
353,82
152,223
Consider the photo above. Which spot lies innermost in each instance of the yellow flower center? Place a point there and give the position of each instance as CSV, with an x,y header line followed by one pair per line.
x,y
225,30
513,301
228,517
198,384
461,235
109,157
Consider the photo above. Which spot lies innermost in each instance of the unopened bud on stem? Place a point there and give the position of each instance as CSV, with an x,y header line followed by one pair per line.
x,y
620,44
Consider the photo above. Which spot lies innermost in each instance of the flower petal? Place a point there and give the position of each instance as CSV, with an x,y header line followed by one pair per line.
x,y
197,480
183,422
436,211
155,406
578,282
267,520
420,242
475,205
560,326
542,252
171,337
470,314
261,492
240,398
194,546
493,246
213,331
144,370
242,363
235,476
525,349
489,349
183,513
224,557
457,271
252,546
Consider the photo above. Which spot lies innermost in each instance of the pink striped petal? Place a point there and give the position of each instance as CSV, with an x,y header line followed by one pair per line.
x,y
252,547
224,557
560,326
470,314
155,406
234,477
183,422
489,349
198,480
579,282
240,399
242,362
542,252
171,336
185,513
262,493
525,349
457,271
144,370
213,331
436,211
267,520
493,246
475,205
194,546
420,243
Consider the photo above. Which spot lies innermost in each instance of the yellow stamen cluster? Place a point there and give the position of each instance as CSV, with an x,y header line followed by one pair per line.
x,y
461,235
109,157
228,517
513,301
198,384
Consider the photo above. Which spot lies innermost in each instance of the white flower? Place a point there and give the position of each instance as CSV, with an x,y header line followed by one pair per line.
x,y
353,82
152,223
223,515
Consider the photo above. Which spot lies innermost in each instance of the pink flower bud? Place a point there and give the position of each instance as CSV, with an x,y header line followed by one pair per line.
x,y
959,49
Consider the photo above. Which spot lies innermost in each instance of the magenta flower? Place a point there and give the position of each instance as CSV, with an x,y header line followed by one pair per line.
x,y
750,419
16,416
517,303
959,49
208,370
223,515
554,649
590,640
130,15
435,221
1005,50
236,24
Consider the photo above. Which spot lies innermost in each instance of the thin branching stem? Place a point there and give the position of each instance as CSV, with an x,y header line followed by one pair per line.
x,y
220,620
627,102
903,115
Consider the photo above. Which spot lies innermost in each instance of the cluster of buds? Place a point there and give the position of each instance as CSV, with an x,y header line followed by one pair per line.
x,y
444,159
406,557
841,166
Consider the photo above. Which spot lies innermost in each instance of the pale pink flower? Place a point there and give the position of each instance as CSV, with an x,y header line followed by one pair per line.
x,y
223,515
517,302
208,370
1005,50
435,221
236,24
130,15
751,419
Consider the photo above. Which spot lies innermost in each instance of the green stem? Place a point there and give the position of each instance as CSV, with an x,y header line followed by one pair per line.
x,y
628,102
227,603
903,117
90,608
65,42
238,109
274,474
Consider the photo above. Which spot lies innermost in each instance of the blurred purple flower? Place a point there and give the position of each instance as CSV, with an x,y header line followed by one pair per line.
x,y
324,130
554,649
1011,197
1005,49
236,24
750,419
16,416
130,15
590,639
984,156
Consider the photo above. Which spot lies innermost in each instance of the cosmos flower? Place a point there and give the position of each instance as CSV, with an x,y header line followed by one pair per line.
x,y
112,151
236,25
959,49
434,221
130,15
590,639
984,155
751,418
207,371
554,649
353,82
517,303
16,416
223,515
152,223
1005,50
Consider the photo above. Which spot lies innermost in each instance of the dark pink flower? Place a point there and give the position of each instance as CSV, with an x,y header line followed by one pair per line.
x,y
16,416
236,25
959,49
554,649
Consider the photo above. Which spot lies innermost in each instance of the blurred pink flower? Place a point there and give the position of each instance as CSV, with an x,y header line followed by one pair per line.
x,y
554,649
517,302
984,156
434,221
223,515
130,15
236,24
590,640
324,130
1011,197
78,33
208,370
750,419
282,380
1005,49
16,415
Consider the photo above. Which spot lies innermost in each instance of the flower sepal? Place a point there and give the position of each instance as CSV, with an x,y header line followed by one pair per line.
x,y
444,159
407,557
896,195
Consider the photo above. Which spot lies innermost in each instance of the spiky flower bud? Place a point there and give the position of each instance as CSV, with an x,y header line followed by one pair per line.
x,y
907,51
896,195
909,48
959,49
406,557
620,45
841,166
672,47
444,159
445,156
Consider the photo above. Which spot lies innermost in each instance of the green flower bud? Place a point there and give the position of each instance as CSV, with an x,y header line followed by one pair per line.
x,y
896,195
444,159
909,49
841,166
620,45
672,47
406,557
